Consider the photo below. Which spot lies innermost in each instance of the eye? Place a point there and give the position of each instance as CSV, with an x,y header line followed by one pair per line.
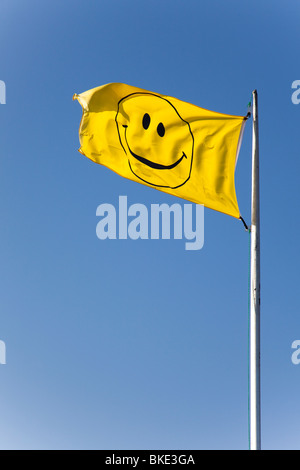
x,y
161,129
146,121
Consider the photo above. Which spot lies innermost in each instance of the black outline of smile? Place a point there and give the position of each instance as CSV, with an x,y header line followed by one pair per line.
x,y
145,161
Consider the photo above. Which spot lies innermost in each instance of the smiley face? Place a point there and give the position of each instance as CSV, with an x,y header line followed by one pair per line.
x,y
157,141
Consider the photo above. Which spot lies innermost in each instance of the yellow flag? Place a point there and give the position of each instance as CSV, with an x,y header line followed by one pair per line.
x,y
163,142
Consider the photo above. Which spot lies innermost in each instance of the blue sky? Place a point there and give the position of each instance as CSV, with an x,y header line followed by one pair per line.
x,y
123,344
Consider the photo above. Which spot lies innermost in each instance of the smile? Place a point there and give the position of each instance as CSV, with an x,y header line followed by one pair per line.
x,y
156,166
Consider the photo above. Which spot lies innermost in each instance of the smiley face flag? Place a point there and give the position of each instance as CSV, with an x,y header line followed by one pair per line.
x,y
163,143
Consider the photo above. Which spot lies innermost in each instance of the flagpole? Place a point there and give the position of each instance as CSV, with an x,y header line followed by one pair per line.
x,y
255,412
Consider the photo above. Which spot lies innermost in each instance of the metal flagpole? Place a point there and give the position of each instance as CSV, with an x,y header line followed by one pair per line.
x,y
255,413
